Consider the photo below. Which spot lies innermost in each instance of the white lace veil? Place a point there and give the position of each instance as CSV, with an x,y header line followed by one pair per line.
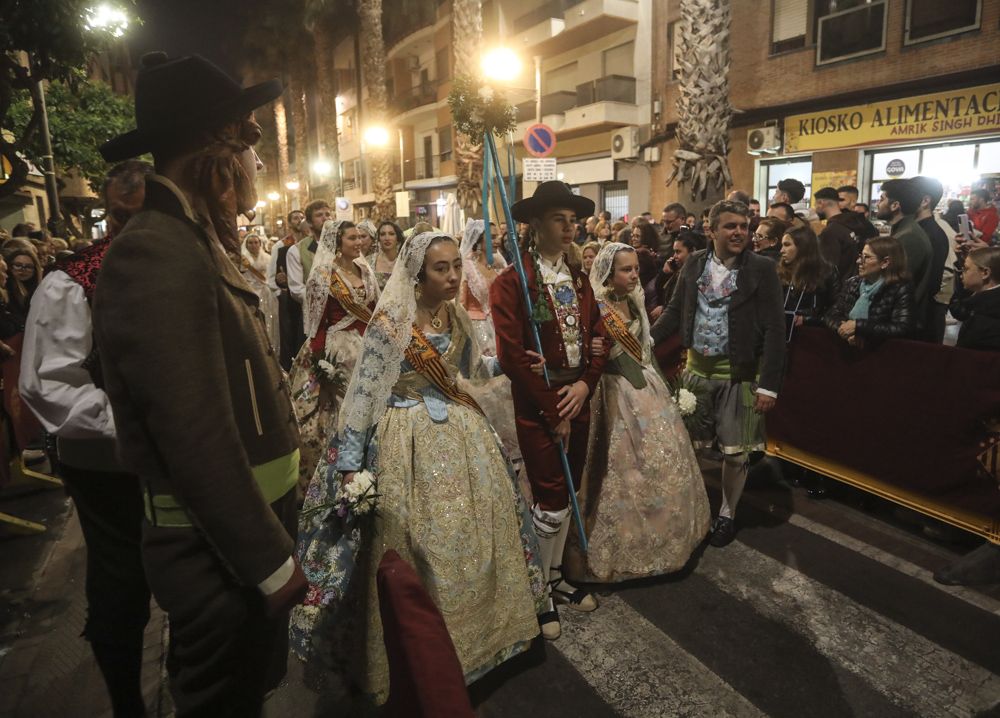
x,y
474,230
369,228
599,274
386,339
318,283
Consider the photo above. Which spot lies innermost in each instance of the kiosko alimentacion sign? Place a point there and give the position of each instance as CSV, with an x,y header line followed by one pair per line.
x,y
970,111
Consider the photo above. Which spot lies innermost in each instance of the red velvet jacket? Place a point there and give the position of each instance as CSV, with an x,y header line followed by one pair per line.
x,y
514,336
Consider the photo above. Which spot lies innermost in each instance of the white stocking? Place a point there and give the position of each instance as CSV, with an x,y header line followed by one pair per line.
x,y
734,476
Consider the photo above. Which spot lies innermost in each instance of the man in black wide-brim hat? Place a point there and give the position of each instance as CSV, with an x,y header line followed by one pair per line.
x,y
200,404
545,415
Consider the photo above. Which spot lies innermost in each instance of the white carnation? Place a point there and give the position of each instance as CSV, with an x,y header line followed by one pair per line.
x,y
360,493
687,402
327,368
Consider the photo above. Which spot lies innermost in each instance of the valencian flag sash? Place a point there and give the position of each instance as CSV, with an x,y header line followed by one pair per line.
x,y
618,331
426,359
343,294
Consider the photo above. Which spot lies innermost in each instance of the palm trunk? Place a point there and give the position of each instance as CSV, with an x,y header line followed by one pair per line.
x,y
703,108
373,64
467,33
325,80
281,134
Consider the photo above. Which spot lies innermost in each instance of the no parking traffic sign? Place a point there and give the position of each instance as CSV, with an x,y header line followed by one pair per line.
x,y
540,140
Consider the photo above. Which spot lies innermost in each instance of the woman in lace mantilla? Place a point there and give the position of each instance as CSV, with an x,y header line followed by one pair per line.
x,y
642,496
448,501
341,292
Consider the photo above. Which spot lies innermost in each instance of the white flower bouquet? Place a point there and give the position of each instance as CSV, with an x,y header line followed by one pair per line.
x,y
357,498
688,394
686,401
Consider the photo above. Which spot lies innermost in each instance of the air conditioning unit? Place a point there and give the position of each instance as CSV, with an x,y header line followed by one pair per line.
x,y
625,143
764,140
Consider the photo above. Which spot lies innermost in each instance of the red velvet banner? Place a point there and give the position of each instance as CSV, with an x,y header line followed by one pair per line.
x,y
911,414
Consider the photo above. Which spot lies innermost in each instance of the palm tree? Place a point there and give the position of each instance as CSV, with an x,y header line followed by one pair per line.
x,y
466,37
703,108
297,95
373,64
281,133
329,21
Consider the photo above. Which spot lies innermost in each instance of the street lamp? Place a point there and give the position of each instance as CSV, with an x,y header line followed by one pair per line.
x,y
292,185
322,168
273,196
105,18
501,64
377,136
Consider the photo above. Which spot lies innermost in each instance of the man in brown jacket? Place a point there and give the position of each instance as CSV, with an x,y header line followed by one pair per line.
x,y
200,404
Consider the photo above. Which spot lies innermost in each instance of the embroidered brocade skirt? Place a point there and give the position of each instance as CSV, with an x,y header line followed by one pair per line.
x,y
642,496
316,397
450,507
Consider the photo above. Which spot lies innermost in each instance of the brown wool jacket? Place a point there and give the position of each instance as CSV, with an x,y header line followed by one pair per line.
x,y
197,394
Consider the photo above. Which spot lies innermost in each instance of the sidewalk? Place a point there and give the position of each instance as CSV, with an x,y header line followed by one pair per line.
x,y
46,668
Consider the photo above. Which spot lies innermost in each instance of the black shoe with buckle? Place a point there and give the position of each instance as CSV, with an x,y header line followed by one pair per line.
x,y
723,532
549,624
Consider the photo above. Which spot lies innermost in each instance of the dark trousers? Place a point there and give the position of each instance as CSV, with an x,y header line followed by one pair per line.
x,y
936,316
290,328
225,653
541,453
109,506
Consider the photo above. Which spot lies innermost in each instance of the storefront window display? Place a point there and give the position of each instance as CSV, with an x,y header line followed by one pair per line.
x,y
958,166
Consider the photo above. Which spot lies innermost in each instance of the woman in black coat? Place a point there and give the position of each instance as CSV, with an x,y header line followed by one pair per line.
x,y
977,303
878,303
809,282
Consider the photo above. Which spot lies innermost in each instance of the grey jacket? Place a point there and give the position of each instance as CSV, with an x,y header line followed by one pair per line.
x,y
197,394
756,318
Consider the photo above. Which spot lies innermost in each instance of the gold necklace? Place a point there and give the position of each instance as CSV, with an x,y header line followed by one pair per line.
x,y
436,322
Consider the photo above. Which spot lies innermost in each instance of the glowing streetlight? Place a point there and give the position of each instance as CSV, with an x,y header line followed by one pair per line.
x,y
501,64
377,136
273,196
292,185
107,19
322,168
261,204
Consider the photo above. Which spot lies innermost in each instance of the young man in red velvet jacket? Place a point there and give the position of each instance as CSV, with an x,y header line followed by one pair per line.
x,y
547,414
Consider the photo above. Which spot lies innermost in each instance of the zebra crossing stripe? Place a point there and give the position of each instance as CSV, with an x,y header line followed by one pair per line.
x,y
908,669
641,672
973,598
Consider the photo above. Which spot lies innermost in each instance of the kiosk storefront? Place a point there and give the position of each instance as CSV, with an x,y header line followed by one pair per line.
x,y
953,136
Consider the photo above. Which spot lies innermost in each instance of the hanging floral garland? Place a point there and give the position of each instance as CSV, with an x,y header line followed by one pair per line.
x,y
477,108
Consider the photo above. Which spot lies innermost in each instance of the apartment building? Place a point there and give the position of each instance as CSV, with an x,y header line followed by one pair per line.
x,y
836,92
595,87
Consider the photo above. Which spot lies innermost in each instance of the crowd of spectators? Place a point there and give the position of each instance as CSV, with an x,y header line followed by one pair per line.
x,y
836,268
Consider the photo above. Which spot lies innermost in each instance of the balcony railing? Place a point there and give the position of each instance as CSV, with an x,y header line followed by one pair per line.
x,y
406,100
555,103
428,167
610,88
550,9
403,18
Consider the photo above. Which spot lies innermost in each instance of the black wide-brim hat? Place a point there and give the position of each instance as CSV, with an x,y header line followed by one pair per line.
x,y
177,98
551,195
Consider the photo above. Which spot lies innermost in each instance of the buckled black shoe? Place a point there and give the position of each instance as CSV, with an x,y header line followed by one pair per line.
x,y
549,624
723,532
565,594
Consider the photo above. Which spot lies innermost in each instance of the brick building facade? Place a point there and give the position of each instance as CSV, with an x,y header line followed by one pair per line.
x,y
855,63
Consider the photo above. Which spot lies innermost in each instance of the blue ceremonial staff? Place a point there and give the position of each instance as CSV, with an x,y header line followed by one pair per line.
x,y
491,165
